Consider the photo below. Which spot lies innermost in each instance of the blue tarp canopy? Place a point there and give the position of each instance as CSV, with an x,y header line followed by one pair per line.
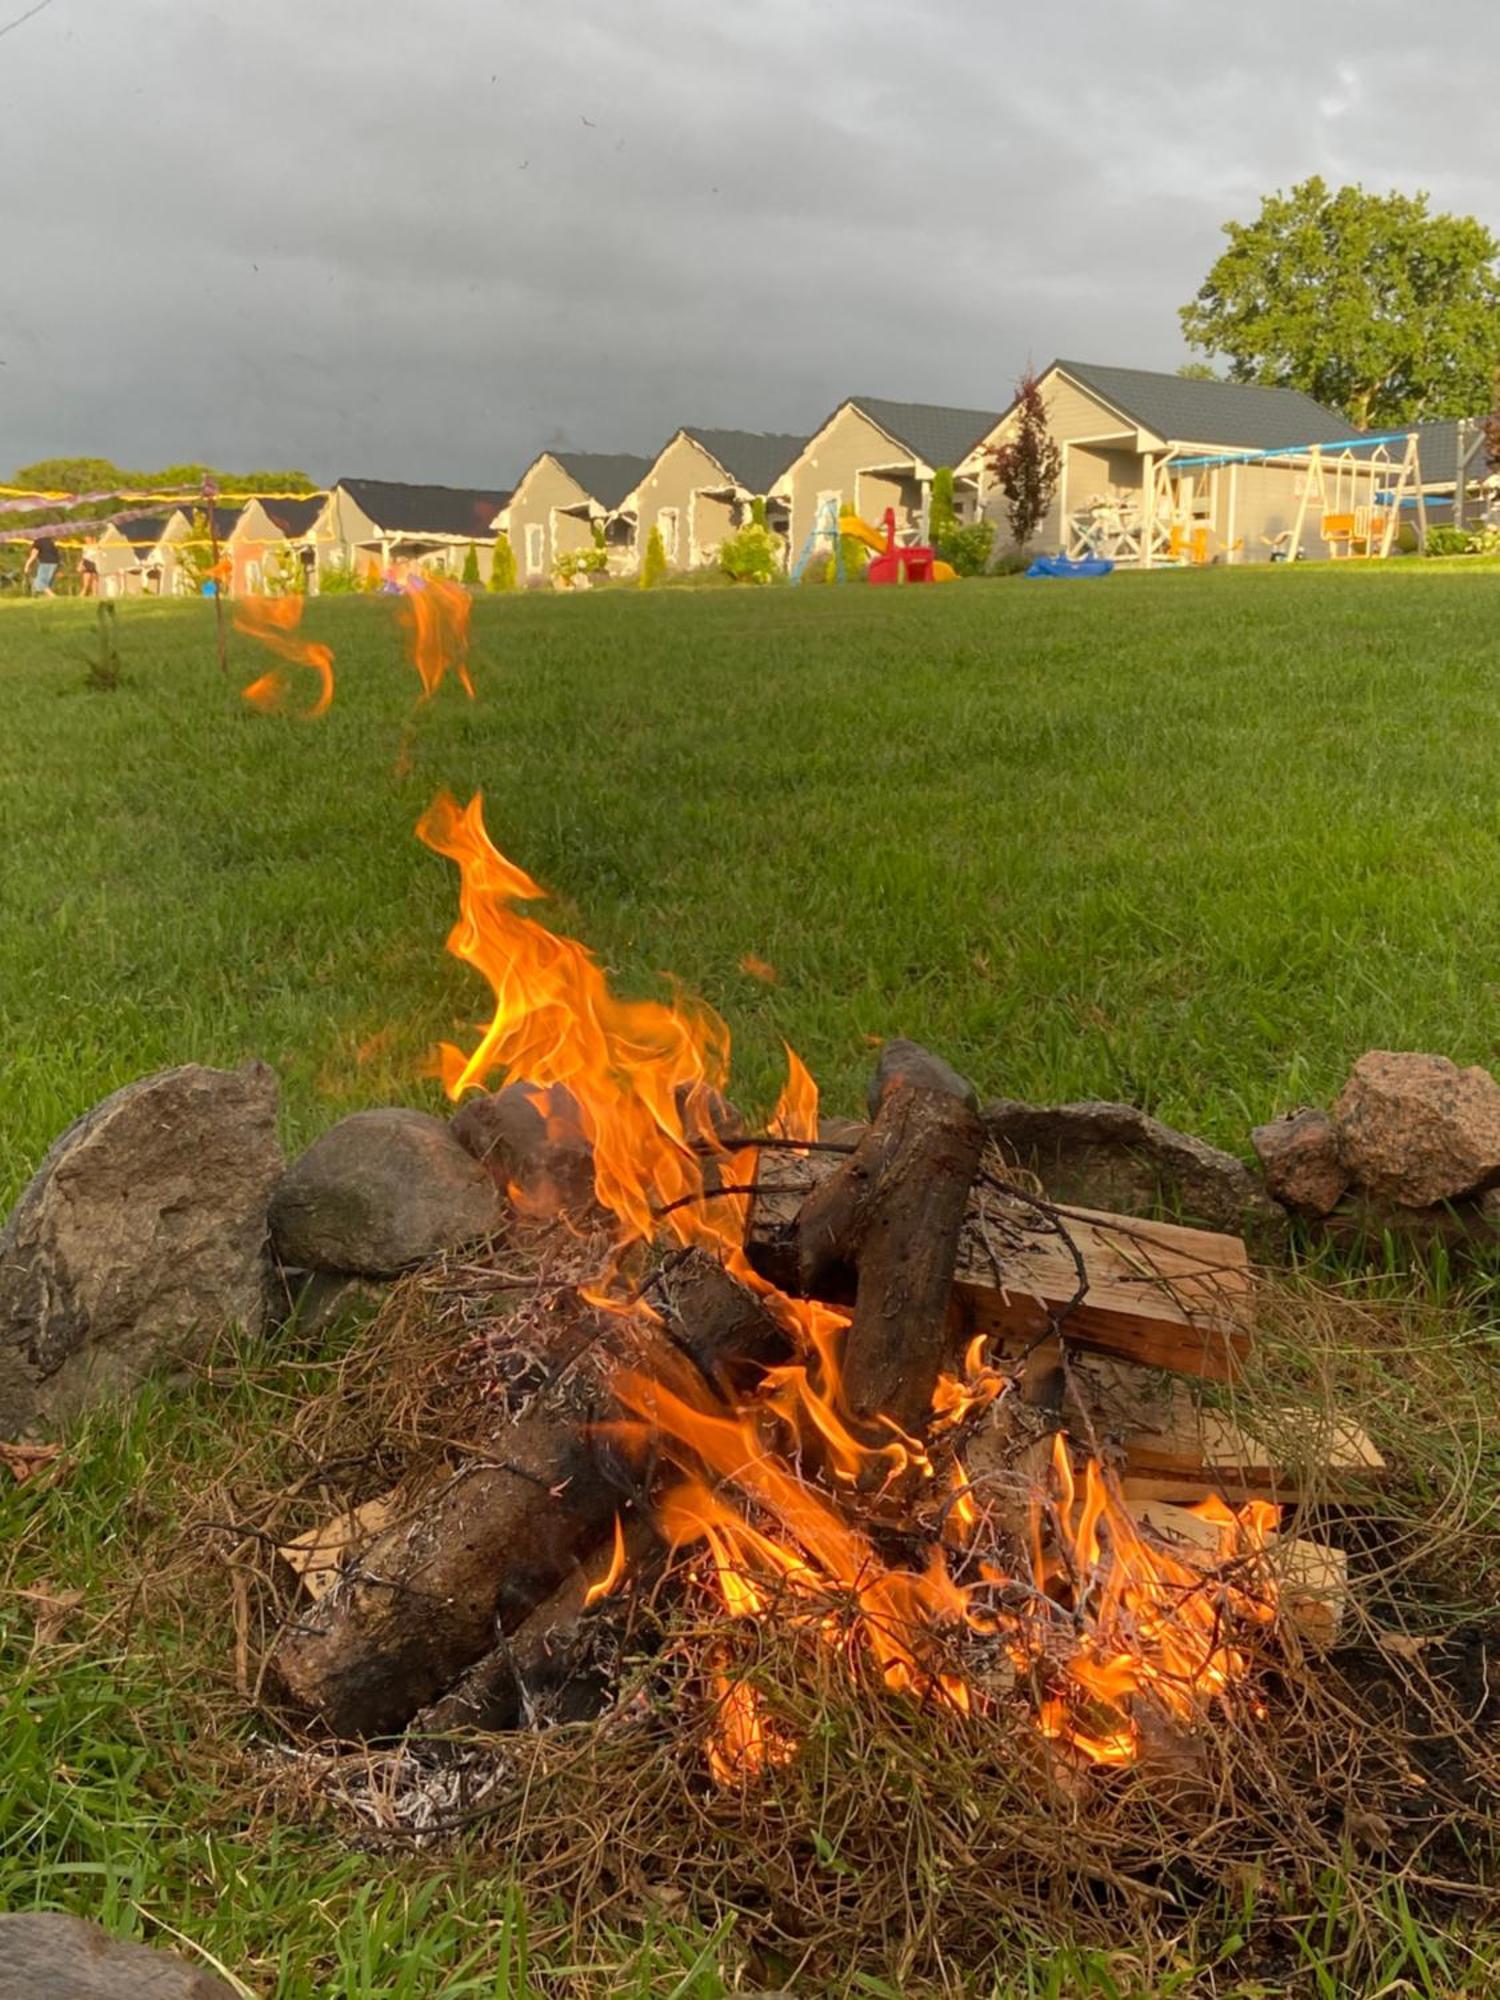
x,y
1060,566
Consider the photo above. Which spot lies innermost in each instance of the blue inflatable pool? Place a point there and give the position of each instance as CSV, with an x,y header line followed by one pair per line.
x,y
1060,566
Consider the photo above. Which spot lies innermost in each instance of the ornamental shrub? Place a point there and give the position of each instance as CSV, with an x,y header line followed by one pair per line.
x,y
503,565
654,563
581,562
751,556
967,549
471,566
1447,540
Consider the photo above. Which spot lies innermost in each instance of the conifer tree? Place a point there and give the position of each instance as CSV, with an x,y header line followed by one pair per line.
x,y
503,565
654,565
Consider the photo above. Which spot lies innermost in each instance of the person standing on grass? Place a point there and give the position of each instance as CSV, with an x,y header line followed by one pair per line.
x,y
89,570
41,566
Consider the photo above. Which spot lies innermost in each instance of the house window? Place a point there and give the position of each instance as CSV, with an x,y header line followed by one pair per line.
x,y
536,548
666,521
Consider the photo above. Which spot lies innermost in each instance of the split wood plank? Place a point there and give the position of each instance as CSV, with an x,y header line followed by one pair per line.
x,y
1176,1448
1158,1293
1312,1578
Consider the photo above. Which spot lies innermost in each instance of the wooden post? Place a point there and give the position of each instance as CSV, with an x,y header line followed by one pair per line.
x,y
1460,473
210,493
1066,536
1234,508
1415,453
1148,509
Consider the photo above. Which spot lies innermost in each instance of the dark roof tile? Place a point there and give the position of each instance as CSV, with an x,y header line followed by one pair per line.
x,y
1241,416
606,476
294,517
426,510
933,432
753,459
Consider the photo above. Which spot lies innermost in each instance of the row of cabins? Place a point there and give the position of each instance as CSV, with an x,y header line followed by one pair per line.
x,y
1120,431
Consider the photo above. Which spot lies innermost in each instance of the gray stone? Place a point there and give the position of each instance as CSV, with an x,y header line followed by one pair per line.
x,y
381,1191
1299,1156
1417,1129
143,1233
902,1061
48,1956
328,1298
543,1154
1118,1158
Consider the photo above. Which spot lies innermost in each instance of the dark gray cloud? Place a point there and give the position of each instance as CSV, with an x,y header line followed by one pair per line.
x,y
426,241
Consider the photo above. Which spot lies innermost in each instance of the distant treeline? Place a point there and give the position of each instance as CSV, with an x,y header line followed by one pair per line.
x,y
101,475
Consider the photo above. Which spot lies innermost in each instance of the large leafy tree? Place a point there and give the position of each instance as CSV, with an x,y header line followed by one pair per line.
x,y
1369,302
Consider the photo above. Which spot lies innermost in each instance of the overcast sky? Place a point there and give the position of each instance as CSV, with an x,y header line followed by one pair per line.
x,y
426,241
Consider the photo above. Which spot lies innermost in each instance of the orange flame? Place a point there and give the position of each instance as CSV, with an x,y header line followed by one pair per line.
x,y
273,621
613,1577
1103,1616
434,613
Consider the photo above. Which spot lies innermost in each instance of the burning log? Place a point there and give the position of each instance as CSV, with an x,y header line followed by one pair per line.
x,y
427,1598
1151,1292
889,1219
546,1658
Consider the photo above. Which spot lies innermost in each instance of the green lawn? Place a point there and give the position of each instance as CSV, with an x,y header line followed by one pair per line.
x,y
1195,841
1191,840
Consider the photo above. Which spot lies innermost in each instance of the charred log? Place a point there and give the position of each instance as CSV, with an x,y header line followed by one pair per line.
x,y
430,1595
885,1228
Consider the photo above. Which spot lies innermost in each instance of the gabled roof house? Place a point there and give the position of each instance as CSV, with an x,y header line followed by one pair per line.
x,y
557,501
701,488
378,520
158,538
874,453
266,529
1120,431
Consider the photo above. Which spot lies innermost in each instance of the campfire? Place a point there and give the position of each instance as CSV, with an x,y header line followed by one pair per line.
x,y
863,1387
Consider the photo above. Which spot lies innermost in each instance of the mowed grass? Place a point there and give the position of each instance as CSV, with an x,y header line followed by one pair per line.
x,y
1195,841
1192,840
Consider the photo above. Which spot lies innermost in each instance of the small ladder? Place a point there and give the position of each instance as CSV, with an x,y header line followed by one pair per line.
x,y
825,528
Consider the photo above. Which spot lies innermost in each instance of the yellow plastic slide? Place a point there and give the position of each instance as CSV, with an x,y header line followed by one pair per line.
x,y
859,530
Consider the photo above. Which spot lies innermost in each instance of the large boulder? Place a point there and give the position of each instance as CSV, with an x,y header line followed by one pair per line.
x,y
47,1956
145,1224
1417,1129
381,1191
904,1061
1299,1156
1118,1158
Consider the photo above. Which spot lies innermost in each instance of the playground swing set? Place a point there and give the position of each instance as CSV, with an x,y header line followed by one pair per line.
x,y
1351,494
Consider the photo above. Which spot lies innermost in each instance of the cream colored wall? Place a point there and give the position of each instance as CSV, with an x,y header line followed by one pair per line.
x,y
875,491
119,574
1266,503
673,480
832,462
711,523
545,488
254,539
340,530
